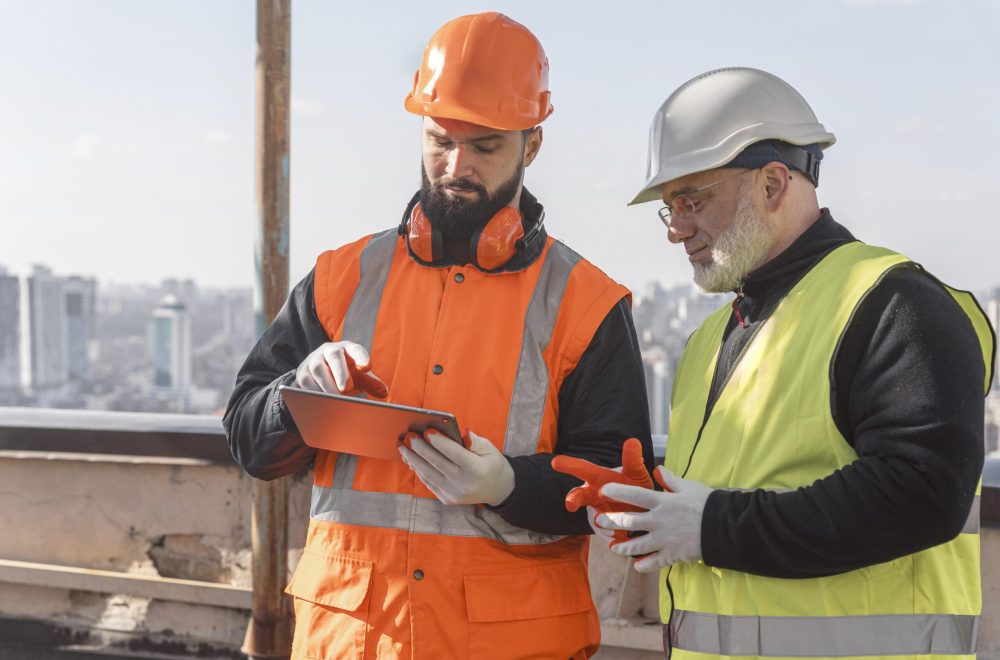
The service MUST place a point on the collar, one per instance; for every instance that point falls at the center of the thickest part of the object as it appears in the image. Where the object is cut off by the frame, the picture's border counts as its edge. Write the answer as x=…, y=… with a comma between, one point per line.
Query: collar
x=813, y=244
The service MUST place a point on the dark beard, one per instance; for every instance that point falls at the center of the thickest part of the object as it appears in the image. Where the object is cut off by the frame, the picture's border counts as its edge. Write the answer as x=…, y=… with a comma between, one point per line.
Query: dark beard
x=455, y=216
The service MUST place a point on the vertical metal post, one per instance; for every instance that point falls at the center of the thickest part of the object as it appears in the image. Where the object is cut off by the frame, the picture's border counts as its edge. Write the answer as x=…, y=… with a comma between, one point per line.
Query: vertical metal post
x=269, y=633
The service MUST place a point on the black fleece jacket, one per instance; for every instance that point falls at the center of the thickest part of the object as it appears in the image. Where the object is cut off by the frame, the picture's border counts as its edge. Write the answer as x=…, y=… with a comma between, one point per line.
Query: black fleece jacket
x=907, y=386
x=601, y=403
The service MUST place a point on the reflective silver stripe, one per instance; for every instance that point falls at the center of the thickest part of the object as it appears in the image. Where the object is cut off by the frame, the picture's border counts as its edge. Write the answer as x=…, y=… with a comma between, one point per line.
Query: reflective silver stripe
x=972, y=522
x=834, y=636
x=527, y=406
x=359, y=322
x=343, y=472
x=417, y=515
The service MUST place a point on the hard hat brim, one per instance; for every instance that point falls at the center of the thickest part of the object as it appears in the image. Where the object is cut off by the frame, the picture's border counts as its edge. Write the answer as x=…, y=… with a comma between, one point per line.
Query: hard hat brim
x=675, y=168
x=450, y=111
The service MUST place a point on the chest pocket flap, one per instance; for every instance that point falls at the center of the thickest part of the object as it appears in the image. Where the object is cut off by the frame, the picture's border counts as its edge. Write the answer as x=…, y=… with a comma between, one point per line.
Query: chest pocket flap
x=331, y=580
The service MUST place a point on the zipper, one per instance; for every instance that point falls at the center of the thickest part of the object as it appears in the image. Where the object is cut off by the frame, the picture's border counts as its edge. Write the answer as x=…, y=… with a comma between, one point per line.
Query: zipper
x=736, y=307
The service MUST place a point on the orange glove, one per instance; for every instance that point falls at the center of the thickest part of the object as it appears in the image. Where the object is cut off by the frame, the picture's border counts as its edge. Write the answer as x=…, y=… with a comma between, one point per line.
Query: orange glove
x=632, y=473
x=365, y=381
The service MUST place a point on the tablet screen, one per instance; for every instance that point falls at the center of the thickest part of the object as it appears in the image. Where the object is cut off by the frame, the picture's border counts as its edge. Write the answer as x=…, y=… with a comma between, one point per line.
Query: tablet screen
x=359, y=426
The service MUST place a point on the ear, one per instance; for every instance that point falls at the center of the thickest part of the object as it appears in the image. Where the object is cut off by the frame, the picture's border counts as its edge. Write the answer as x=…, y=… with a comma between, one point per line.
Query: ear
x=532, y=145
x=777, y=182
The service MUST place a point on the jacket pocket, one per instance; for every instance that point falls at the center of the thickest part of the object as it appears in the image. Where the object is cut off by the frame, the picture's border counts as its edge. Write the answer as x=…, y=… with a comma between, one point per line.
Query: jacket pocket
x=331, y=606
x=541, y=611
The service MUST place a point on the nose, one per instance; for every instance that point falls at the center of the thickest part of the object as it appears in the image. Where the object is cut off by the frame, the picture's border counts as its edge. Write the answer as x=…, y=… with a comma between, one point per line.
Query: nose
x=680, y=229
x=458, y=162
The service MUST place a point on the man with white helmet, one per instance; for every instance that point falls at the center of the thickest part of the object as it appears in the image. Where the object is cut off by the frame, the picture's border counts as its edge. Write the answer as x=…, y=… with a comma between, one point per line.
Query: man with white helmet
x=466, y=306
x=826, y=434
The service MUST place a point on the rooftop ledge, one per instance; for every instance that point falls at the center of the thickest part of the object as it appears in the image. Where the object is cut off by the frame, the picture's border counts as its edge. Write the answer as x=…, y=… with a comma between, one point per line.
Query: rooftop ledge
x=89, y=435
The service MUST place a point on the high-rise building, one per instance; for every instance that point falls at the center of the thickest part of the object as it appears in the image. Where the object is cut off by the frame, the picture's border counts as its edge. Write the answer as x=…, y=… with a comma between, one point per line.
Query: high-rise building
x=659, y=377
x=81, y=324
x=44, y=349
x=171, y=339
x=991, y=305
x=991, y=435
x=237, y=315
x=10, y=330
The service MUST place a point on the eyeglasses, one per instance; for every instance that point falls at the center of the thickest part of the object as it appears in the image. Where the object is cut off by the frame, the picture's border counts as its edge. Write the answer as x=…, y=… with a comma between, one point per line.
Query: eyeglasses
x=682, y=205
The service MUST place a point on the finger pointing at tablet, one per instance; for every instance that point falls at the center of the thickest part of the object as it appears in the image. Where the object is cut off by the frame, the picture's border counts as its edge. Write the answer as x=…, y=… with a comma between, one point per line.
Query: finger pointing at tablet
x=339, y=367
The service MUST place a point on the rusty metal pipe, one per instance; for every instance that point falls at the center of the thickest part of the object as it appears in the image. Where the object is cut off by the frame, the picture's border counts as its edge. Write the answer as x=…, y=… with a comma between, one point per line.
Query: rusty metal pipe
x=269, y=632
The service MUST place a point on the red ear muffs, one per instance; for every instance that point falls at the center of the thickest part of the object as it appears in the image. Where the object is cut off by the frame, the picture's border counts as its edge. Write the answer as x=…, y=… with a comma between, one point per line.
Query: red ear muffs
x=491, y=247
x=422, y=237
x=497, y=242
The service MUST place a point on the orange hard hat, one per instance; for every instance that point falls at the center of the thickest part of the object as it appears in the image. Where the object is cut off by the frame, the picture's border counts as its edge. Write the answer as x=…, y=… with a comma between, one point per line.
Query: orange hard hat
x=485, y=69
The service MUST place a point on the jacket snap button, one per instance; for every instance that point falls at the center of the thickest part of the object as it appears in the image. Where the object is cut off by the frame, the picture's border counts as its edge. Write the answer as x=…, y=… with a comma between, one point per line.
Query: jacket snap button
x=459, y=277
x=437, y=369
x=418, y=574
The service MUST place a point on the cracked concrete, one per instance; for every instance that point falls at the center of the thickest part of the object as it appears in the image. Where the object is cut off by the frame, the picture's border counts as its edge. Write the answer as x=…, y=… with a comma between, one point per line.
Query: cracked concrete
x=185, y=556
x=177, y=521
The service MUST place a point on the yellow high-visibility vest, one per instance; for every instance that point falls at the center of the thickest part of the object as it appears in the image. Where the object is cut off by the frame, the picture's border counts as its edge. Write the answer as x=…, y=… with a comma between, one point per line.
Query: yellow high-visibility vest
x=772, y=428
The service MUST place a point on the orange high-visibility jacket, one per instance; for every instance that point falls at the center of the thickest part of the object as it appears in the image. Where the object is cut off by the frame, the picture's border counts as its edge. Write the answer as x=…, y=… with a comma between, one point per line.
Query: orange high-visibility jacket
x=388, y=570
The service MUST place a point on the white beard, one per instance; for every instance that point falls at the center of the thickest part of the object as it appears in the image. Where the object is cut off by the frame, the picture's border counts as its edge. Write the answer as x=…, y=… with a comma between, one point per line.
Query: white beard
x=736, y=252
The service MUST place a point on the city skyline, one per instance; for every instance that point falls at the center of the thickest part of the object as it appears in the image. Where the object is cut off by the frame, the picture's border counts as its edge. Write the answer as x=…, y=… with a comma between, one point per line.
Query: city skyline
x=68, y=342
x=147, y=160
x=177, y=346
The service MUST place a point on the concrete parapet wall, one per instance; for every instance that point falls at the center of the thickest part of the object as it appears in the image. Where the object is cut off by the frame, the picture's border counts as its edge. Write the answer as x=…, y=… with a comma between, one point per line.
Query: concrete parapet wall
x=175, y=521
x=141, y=517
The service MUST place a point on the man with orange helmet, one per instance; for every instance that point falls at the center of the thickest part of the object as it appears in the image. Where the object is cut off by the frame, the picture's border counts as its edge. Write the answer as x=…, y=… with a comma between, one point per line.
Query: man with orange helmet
x=467, y=306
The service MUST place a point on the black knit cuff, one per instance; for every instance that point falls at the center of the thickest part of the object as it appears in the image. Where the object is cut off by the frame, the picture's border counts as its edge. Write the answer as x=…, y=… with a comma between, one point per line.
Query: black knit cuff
x=521, y=502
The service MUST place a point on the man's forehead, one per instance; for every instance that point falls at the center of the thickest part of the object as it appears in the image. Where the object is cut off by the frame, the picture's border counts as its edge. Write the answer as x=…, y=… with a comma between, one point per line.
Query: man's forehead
x=685, y=185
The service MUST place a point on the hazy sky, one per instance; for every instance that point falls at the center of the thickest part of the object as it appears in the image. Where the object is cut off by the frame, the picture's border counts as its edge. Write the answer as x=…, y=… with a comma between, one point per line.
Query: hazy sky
x=127, y=143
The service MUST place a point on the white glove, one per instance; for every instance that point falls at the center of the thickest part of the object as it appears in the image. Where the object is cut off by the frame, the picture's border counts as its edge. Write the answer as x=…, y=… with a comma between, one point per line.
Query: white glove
x=605, y=534
x=456, y=475
x=672, y=520
x=592, y=513
x=339, y=366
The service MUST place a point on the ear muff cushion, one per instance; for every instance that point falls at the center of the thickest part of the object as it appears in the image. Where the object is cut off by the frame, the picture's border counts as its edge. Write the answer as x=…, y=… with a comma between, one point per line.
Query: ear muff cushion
x=421, y=235
x=498, y=240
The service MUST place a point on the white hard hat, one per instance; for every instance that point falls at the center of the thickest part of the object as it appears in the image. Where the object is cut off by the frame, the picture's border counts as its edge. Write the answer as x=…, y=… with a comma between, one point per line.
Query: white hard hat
x=710, y=119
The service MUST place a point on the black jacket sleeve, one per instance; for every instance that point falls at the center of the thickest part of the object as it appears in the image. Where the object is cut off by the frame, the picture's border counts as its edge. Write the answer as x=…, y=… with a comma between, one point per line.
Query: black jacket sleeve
x=908, y=396
x=602, y=403
x=260, y=430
